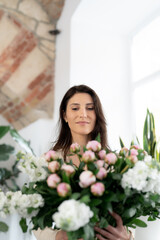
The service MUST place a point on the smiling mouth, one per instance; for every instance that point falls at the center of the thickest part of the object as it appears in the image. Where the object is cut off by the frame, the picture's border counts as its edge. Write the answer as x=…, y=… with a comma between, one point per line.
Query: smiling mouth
x=82, y=123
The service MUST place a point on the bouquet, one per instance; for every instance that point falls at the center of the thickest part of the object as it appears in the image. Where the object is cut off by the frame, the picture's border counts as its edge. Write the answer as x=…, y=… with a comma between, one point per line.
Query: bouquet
x=78, y=198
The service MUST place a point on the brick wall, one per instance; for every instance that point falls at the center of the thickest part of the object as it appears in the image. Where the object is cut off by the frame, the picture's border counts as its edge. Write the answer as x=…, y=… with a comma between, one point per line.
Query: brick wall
x=27, y=57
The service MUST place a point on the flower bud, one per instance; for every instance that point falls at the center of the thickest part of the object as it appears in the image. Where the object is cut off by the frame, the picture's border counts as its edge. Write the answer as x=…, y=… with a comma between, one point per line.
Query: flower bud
x=102, y=154
x=88, y=156
x=110, y=158
x=53, y=180
x=133, y=158
x=86, y=179
x=75, y=147
x=123, y=151
x=102, y=173
x=101, y=163
x=97, y=189
x=94, y=146
x=69, y=170
x=63, y=189
x=135, y=147
x=53, y=166
x=134, y=152
x=51, y=155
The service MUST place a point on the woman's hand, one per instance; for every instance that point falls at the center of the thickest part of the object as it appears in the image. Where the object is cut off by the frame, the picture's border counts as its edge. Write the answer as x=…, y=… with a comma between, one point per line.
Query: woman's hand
x=113, y=233
x=61, y=235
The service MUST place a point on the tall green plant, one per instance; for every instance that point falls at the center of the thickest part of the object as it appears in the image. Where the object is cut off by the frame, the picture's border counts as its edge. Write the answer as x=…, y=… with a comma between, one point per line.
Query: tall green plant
x=150, y=143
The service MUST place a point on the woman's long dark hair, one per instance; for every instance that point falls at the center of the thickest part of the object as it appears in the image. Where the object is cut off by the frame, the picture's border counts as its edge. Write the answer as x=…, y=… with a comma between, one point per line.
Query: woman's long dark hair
x=64, y=139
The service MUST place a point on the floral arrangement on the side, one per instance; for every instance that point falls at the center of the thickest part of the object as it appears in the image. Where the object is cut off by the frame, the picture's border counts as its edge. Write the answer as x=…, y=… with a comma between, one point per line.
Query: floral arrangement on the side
x=78, y=198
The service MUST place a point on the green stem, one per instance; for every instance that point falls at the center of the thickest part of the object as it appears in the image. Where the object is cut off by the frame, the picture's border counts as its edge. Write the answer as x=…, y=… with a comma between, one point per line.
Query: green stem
x=124, y=169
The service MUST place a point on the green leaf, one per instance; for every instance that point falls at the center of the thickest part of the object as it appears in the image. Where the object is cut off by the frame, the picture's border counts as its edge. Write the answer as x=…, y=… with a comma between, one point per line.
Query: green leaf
x=4, y=130
x=75, y=196
x=129, y=212
x=21, y=141
x=4, y=174
x=23, y=225
x=85, y=199
x=103, y=223
x=121, y=142
x=5, y=151
x=89, y=232
x=138, y=223
x=3, y=227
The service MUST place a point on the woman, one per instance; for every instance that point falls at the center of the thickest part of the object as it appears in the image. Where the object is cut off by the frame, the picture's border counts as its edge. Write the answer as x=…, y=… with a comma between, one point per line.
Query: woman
x=81, y=119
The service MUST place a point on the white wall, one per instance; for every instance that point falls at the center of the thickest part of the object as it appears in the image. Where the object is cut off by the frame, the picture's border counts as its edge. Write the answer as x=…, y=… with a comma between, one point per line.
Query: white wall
x=101, y=60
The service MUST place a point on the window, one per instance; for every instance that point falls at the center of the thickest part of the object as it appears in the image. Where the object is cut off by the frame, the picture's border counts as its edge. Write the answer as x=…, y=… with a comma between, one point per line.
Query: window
x=145, y=57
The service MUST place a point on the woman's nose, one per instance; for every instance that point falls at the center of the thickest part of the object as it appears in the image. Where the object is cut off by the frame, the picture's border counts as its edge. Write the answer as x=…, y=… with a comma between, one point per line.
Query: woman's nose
x=83, y=112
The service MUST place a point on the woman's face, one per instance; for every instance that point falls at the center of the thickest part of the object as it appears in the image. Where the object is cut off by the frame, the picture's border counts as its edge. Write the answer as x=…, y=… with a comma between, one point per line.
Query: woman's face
x=80, y=114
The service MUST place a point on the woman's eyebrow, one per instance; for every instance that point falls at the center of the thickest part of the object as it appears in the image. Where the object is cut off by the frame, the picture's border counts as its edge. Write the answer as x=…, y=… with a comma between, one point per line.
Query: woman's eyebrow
x=77, y=104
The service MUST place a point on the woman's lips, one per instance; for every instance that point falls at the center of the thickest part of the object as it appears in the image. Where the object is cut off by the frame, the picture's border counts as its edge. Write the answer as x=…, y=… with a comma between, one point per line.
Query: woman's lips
x=82, y=122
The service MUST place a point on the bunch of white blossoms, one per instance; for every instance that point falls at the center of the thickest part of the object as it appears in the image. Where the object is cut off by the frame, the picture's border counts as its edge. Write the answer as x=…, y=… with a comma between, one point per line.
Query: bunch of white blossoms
x=12, y=202
x=72, y=215
x=144, y=176
x=33, y=167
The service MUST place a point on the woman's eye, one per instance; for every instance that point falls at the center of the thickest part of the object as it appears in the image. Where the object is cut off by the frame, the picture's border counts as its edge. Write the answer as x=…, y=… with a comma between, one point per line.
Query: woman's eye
x=90, y=108
x=75, y=109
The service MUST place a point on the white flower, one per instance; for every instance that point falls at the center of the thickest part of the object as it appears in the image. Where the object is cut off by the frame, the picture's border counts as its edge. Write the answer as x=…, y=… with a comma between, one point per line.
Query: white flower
x=18, y=202
x=33, y=167
x=144, y=176
x=72, y=215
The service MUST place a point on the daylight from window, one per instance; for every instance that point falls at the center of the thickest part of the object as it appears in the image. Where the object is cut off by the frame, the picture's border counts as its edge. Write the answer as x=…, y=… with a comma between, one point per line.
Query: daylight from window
x=145, y=57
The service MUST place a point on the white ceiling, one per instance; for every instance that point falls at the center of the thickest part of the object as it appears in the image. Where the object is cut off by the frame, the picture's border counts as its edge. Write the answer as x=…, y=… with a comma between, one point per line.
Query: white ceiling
x=118, y=16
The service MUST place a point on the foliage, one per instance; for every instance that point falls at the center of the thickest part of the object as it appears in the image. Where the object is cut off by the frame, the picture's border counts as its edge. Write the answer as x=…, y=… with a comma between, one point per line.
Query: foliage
x=150, y=143
x=129, y=203
x=6, y=151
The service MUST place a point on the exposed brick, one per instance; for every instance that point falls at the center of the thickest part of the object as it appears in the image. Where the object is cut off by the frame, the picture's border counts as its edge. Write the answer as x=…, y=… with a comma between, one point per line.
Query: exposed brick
x=18, y=24
x=32, y=95
x=7, y=52
x=5, y=78
x=37, y=81
x=45, y=91
x=1, y=14
x=22, y=56
x=19, y=48
x=10, y=104
x=49, y=79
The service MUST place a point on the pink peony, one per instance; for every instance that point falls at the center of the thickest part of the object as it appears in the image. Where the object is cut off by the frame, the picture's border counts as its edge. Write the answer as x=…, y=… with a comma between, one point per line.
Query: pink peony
x=53, y=166
x=63, y=189
x=51, y=155
x=86, y=179
x=94, y=146
x=134, y=152
x=75, y=147
x=102, y=154
x=53, y=180
x=101, y=163
x=135, y=147
x=88, y=156
x=69, y=170
x=133, y=158
x=97, y=189
x=102, y=173
x=110, y=158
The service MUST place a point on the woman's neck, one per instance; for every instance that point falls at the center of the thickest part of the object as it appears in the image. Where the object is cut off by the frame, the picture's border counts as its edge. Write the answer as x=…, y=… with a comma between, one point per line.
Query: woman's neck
x=81, y=140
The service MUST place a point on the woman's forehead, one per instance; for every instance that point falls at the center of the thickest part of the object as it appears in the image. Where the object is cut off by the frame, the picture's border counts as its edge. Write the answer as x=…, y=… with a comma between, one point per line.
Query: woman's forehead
x=80, y=98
